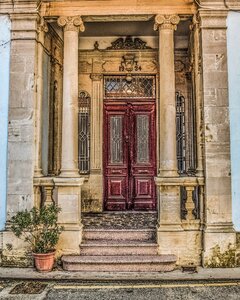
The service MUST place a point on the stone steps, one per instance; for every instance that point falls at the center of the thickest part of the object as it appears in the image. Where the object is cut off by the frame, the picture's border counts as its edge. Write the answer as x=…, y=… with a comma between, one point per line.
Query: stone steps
x=117, y=235
x=109, y=250
x=130, y=263
x=117, y=248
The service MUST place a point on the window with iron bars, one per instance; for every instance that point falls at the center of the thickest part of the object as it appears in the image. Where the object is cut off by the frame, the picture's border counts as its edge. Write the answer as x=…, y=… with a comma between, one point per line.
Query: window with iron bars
x=84, y=105
x=181, y=133
x=134, y=86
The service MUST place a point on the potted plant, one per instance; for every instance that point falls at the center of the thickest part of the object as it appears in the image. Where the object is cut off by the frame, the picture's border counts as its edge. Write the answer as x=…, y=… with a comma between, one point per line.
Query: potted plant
x=39, y=228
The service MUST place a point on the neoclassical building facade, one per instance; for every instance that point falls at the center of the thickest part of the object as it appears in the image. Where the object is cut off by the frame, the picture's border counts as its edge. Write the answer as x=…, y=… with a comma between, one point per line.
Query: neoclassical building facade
x=121, y=108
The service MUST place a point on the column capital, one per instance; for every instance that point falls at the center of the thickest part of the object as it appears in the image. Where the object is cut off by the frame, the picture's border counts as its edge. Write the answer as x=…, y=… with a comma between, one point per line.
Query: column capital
x=96, y=76
x=71, y=23
x=42, y=26
x=166, y=22
x=195, y=22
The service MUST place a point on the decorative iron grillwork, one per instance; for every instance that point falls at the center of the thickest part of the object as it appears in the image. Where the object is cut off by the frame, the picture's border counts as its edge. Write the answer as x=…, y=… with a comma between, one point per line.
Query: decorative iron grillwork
x=142, y=139
x=134, y=86
x=181, y=133
x=84, y=103
x=116, y=139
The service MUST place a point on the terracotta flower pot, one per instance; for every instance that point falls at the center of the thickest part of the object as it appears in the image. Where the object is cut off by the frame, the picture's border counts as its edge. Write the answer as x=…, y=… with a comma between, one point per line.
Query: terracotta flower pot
x=44, y=261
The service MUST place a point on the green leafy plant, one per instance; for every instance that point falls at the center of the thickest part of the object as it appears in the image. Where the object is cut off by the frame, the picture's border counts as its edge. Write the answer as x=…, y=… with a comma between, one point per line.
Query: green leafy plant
x=38, y=227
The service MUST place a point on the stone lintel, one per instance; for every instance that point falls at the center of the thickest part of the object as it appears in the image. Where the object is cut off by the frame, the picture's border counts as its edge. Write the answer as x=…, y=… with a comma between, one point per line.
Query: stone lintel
x=179, y=181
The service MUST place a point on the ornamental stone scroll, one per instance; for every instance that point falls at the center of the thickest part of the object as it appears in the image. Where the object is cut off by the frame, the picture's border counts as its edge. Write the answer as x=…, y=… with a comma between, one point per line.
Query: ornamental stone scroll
x=71, y=23
x=166, y=22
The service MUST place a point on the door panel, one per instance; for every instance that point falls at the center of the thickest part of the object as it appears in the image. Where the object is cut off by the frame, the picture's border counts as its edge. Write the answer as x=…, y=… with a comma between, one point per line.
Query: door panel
x=129, y=156
x=143, y=157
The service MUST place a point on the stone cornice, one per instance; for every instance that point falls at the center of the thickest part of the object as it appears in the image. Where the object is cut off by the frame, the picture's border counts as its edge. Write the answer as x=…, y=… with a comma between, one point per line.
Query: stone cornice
x=74, y=23
x=166, y=22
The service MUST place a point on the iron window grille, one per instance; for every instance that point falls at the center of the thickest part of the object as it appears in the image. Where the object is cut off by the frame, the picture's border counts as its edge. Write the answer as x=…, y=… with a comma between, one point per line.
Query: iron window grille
x=181, y=133
x=131, y=86
x=84, y=105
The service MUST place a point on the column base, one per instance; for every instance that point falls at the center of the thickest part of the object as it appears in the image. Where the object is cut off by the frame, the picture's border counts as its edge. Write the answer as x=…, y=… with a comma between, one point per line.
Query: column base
x=69, y=200
x=168, y=173
x=69, y=173
x=38, y=173
x=219, y=242
x=169, y=227
x=70, y=240
x=186, y=245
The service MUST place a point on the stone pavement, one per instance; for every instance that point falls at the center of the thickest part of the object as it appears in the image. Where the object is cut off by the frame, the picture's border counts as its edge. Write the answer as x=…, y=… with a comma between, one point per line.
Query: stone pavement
x=202, y=274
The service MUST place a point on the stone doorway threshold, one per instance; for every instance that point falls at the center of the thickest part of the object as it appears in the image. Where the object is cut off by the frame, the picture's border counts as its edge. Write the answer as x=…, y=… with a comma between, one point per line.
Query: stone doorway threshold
x=120, y=220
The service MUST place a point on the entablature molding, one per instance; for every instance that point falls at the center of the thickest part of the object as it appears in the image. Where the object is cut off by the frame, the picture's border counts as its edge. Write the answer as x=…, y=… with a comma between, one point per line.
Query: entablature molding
x=116, y=7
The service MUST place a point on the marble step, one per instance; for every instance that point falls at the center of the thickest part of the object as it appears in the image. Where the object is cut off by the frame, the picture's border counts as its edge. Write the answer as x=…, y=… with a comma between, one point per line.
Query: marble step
x=118, y=234
x=130, y=263
x=118, y=248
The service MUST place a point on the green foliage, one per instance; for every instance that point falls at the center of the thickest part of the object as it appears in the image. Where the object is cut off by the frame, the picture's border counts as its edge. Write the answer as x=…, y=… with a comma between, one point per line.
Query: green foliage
x=226, y=259
x=38, y=227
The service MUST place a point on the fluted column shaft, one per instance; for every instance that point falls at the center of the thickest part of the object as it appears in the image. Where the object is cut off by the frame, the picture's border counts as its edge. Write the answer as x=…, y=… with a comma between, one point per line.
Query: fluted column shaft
x=71, y=26
x=166, y=24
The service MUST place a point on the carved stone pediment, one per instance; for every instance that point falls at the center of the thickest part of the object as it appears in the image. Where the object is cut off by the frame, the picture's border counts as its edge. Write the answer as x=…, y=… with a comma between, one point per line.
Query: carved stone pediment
x=128, y=43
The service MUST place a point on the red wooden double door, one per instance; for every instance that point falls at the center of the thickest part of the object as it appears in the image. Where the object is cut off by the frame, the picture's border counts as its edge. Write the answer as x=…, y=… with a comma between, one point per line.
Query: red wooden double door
x=129, y=156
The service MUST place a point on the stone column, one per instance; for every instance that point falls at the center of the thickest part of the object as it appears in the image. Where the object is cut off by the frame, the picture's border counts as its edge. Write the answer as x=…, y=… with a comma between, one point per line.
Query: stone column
x=218, y=231
x=169, y=222
x=71, y=26
x=166, y=24
x=42, y=29
x=169, y=200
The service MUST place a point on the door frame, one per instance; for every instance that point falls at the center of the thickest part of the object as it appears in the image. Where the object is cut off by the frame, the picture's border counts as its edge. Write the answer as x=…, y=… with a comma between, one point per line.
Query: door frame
x=123, y=100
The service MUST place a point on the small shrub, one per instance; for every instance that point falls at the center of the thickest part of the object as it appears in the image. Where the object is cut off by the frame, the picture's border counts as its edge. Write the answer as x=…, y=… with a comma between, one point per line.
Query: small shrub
x=38, y=227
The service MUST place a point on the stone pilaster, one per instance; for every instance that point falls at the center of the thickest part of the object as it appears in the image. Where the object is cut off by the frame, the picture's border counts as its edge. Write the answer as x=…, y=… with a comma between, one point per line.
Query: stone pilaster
x=42, y=29
x=21, y=128
x=195, y=27
x=96, y=123
x=21, y=120
x=218, y=229
x=71, y=26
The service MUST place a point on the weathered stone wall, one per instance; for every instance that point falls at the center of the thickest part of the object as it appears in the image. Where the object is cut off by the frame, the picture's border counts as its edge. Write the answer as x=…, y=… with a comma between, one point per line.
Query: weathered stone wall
x=21, y=127
x=21, y=112
x=218, y=205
